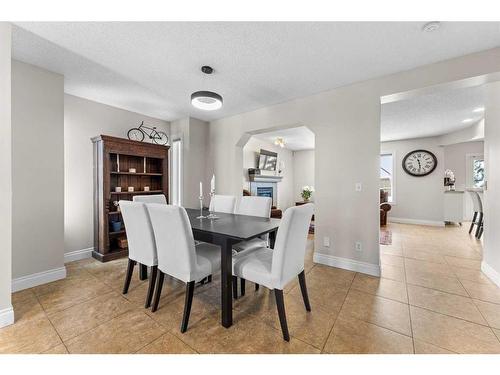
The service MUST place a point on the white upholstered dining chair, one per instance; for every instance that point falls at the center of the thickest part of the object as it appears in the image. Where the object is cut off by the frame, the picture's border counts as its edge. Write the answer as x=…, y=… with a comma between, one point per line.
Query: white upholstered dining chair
x=222, y=203
x=177, y=254
x=155, y=198
x=276, y=268
x=251, y=206
x=141, y=244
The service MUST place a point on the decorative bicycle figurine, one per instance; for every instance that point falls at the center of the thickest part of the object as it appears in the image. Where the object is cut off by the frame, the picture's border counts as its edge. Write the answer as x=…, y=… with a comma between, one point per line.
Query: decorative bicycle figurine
x=138, y=134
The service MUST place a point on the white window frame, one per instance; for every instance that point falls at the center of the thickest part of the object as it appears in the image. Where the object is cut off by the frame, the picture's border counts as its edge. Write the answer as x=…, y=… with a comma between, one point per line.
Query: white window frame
x=177, y=189
x=394, y=174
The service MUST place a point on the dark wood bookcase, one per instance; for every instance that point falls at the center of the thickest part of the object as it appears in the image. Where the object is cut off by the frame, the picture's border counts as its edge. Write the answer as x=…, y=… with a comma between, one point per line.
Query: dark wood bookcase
x=113, y=159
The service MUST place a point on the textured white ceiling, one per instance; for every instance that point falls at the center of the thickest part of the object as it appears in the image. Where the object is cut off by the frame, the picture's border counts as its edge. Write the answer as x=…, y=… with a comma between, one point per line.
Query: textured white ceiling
x=153, y=68
x=296, y=139
x=429, y=115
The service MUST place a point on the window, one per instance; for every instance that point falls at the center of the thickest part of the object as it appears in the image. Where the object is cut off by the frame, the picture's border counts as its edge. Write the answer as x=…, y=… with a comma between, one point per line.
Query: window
x=478, y=172
x=176, y=176
x=475, y=172
x=387, y=175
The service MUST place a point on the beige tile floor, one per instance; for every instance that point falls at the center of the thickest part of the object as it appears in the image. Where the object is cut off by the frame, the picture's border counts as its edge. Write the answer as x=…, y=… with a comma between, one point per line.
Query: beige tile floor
x=432, y=298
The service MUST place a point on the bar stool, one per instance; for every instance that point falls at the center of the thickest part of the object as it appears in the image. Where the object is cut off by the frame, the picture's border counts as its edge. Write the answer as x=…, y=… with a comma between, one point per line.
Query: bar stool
x=478, y=217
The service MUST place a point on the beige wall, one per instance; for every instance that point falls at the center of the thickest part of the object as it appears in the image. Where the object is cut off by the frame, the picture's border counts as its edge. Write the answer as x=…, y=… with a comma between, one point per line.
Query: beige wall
x=491, y=249
x=38, y=165
x=251, y=151
x=346, y=123
x=417, y=199
x=331, y=117
x=84, y=119
x=6, y=313
x=303, y=172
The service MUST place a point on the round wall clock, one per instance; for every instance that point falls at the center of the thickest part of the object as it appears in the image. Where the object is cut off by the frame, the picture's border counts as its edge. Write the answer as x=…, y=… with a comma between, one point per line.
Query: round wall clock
x=419, y=163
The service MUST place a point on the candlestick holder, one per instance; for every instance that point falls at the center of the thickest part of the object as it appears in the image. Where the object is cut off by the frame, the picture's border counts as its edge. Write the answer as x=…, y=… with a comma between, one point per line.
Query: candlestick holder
x=212, y=215
x=201, y=209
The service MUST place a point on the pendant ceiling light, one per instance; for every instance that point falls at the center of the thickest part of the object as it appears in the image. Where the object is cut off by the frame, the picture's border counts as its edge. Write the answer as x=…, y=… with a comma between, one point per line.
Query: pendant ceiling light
x=279, y=142
x=206, y=100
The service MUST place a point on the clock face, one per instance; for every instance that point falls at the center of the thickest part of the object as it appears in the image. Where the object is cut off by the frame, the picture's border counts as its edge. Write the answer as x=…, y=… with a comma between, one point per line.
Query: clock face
x=419, y=163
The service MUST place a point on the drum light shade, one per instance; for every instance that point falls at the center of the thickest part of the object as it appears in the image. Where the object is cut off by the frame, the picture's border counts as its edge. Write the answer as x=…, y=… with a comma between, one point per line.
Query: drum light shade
x=206, y=100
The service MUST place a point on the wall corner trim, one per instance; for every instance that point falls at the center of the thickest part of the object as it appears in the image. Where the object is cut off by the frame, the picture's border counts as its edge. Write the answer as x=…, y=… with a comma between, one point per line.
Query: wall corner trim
x=491, y=273
x=402, y=220
x=6, y=317
x=347, y=264
x=39, y=278
x=73, y=256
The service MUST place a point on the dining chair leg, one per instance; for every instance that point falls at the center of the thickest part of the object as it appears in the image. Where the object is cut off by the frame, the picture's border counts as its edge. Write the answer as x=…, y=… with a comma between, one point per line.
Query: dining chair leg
x=235, y=287
x=256, y=287
x=479, y=224
x=143, y=272
x=128, y=275
x=474, y=217
x=480, y=232
x=242, y=287
x=159, y=286
x=151, y=287
x=303, y=289
x=187, y=305
x=280, y=303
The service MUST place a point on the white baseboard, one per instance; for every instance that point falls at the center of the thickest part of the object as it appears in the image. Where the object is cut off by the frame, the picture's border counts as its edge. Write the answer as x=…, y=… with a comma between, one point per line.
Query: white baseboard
x=347, y=264
x=491, y=273
x=6, y=317
x=39, y=278
x=402, y=220
x=78, y=255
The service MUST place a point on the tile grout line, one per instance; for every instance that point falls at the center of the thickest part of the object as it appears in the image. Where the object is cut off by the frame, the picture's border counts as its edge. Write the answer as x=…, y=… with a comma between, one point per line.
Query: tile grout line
x=408, y=298
x=378, y=325
x=338, y=314
x=472, y=299
x=468, y=294
x=52, y=325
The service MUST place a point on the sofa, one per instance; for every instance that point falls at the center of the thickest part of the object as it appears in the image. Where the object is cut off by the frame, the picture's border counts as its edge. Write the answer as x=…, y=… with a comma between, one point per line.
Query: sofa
x=385, y=207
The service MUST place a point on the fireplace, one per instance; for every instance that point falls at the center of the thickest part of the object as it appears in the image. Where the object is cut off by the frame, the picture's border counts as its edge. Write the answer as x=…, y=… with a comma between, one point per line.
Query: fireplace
x=263, y=191
x=264, y=185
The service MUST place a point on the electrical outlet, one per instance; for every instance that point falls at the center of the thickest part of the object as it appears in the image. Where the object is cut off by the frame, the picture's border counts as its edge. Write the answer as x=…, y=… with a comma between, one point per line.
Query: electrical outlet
x=326, y=241
x=358, y=186
x=359, y=246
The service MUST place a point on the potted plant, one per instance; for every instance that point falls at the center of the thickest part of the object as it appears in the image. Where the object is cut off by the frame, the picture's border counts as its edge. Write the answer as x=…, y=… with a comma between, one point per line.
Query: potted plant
x=307, y=192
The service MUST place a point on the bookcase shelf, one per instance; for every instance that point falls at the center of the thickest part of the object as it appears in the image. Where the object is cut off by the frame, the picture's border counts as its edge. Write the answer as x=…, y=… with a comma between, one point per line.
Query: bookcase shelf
x=136, y=192
x=137, y=174
x=113, y=158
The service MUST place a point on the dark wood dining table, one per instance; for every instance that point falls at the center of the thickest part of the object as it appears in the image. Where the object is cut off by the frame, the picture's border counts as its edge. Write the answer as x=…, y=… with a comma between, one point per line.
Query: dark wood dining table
x=226, y=231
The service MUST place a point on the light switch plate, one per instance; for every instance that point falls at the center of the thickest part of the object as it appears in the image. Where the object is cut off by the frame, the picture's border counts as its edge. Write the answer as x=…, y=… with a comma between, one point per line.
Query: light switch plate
x=326, y=241
x=358, y=186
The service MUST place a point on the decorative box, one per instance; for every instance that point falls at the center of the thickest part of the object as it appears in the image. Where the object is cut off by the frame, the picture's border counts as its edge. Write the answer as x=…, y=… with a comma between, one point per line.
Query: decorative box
x=122, y=243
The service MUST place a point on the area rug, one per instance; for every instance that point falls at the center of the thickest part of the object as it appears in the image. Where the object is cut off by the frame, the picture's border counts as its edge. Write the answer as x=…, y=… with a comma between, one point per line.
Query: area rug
x=385, y=236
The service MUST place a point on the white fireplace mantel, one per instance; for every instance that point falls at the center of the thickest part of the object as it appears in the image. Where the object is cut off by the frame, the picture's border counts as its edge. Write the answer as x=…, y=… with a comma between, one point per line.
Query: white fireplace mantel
x=264, y=178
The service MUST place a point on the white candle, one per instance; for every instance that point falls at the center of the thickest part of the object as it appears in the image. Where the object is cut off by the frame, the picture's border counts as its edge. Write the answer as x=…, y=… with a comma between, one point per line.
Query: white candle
x=212, y=184
x=201, y=189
